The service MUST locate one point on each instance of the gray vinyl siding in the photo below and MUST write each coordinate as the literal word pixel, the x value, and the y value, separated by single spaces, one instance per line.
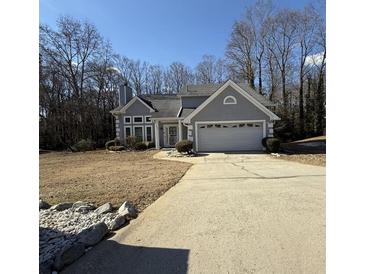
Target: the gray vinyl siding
pixel 217 111
pixel 136 109
pixel 192 101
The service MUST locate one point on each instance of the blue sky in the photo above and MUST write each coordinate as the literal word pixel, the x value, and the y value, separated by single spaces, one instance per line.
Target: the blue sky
pixel 159 31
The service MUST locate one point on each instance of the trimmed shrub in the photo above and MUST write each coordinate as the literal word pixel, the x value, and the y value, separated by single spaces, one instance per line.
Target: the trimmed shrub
pixel 116 148
pixel 115 142
pixel 100 142
pixel 84 145
pixel 263 141
pixel 272 145
pixel 140 146
pixel 184 146
pixel 131 141
pixel 151 145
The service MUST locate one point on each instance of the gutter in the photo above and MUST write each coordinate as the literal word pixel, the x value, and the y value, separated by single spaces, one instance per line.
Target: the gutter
pixel 166 118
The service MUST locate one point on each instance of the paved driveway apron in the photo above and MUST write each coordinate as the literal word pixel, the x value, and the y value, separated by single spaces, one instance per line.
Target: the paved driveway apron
pixel 230 213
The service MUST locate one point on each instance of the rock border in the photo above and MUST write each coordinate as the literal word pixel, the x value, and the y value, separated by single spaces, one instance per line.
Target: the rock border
pixel 69 230
pixel 176 154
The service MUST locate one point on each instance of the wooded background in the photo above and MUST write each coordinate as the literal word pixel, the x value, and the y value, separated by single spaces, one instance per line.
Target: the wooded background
pixel 279 52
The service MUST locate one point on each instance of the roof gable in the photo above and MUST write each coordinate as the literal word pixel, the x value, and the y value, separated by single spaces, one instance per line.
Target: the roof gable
pixel 130 103
pixel 242 92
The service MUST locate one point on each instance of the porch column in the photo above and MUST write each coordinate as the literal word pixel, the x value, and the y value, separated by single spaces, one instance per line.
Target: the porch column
pixel 157 135
pixel 190 133
pixel 271 130
pixel 180 131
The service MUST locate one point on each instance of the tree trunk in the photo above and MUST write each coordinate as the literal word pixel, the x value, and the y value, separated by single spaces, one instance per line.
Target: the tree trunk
pixel 285 97
pixel 320 105
pixel 260 77
pixel 301 104
pixel 301 99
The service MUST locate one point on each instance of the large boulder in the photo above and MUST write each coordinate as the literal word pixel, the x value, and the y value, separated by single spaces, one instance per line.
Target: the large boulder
pixel 43 204
pixel 62 206
pixel 105 208
pixel 68 255
pixel 128 210
pixel 117 222
pixel 94 234
pixel 82 207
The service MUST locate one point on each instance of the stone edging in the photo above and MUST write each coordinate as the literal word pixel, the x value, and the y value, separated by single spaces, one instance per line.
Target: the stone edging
pixel 68 230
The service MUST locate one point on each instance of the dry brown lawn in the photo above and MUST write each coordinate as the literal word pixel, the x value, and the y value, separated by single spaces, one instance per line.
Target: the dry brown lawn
pixel 310 159
pixel 100 177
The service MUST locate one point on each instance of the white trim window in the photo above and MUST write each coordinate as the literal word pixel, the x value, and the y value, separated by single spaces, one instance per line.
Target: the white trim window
pixel 127 120
pixel 147 119
pixel 229 100
pixel 148 134
pixel 138 132
pixel 127 131
pixel 138 119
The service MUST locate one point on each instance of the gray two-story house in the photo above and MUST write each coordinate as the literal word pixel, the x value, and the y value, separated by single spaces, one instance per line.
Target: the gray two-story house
pixel 216 117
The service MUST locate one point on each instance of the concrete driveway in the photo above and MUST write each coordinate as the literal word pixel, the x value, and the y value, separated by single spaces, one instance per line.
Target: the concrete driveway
pixel 230 213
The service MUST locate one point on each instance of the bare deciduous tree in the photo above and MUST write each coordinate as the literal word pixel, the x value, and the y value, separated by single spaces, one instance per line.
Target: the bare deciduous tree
pixel 156 79
pixel 321 72
pixel 307 22
pixel 210 70
pixel 176 77
pixel 78 84
pixel 221 73
pixel 240 52
pixel 138 72
pixel 256 15
pixel 123 64
pixel 205 70
pixel 281 39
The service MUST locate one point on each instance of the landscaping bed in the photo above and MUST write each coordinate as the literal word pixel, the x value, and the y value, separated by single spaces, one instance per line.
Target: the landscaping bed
pixel 311 151
pixel 68 230
pixel 315 145
pixel 310 159
pixel 102 176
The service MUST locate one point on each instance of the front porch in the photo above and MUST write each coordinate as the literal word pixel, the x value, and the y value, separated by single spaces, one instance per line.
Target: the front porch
pixel 168 131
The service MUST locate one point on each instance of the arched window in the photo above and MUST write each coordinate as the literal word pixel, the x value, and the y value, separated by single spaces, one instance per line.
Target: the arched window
pixel 229 100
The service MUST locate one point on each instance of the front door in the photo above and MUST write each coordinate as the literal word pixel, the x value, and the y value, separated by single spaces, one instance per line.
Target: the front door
pixel 170 135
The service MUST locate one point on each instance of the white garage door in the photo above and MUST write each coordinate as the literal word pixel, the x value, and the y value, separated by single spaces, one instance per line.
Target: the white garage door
pixel 230 137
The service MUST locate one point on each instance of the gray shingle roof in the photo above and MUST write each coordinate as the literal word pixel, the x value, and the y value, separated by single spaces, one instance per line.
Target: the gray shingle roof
pixel 117 109
pixel 199 90
pixel 165 105
pixel 169 105
pixel 185 112
pixel 209 89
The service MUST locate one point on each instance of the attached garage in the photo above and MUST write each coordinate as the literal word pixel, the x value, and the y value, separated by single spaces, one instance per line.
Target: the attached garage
pixel 230 136
pixel 230 119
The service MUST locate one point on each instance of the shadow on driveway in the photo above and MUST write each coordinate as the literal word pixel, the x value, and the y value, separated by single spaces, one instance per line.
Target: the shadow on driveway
pixel 112 257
